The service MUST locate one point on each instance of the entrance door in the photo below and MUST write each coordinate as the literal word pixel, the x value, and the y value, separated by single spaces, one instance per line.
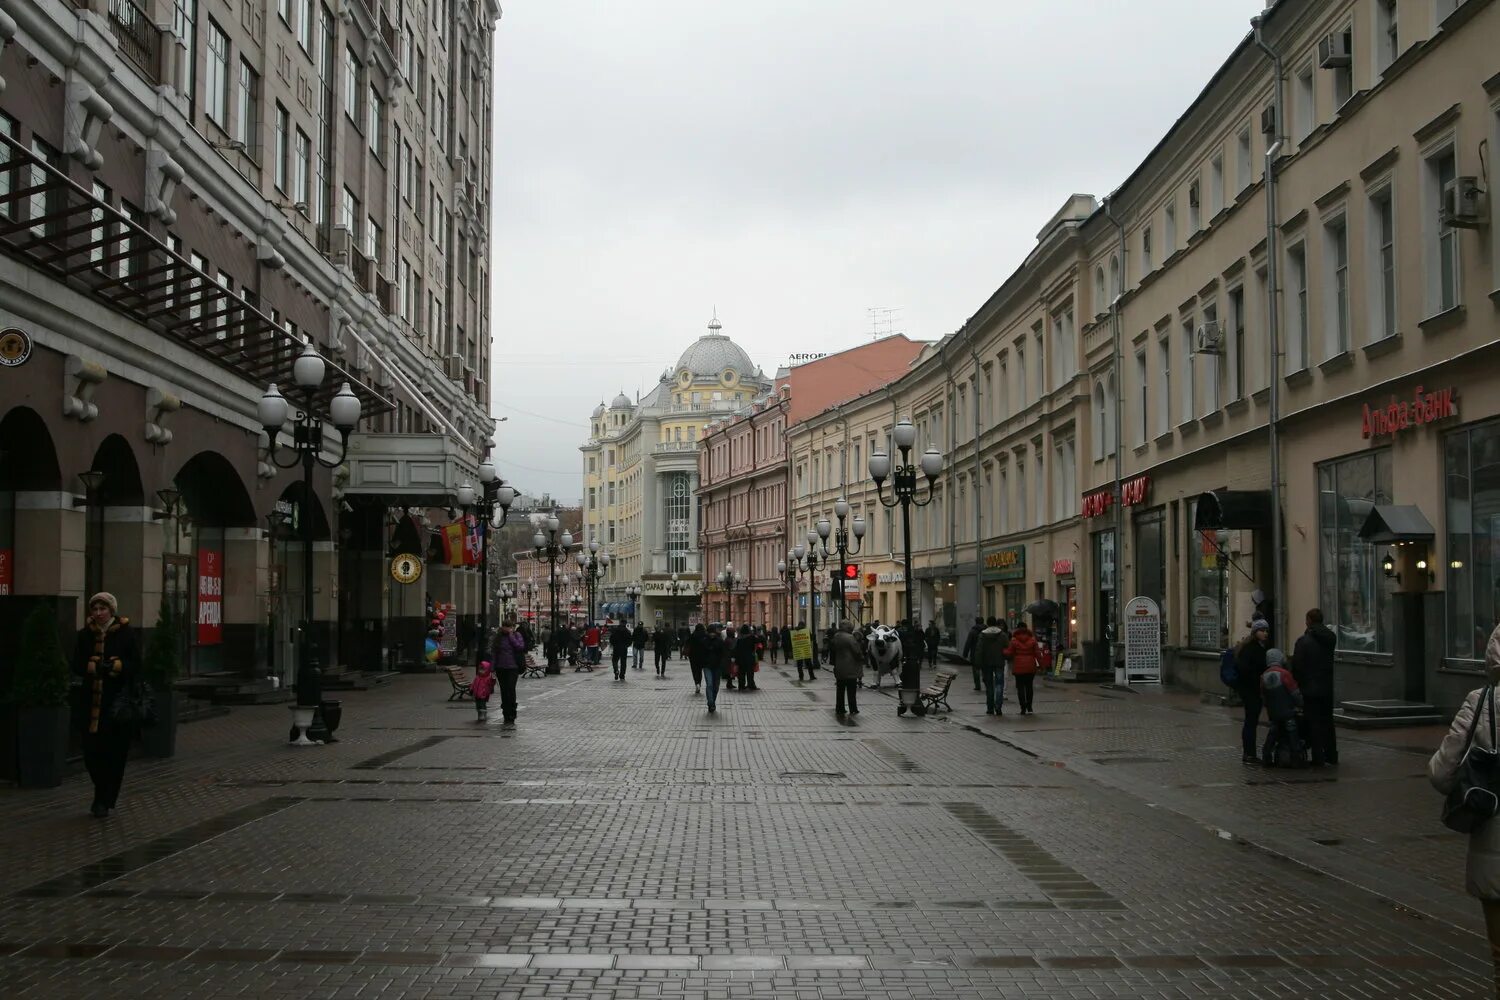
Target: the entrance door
pixel 177 575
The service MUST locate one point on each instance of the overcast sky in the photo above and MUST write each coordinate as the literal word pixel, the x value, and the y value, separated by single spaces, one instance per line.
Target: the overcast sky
pixel 794 164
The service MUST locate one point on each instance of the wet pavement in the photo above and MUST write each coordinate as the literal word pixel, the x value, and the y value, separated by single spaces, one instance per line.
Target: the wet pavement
pixel 619 842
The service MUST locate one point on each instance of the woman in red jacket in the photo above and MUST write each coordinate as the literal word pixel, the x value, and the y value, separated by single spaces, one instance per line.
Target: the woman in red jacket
pixel 1022 653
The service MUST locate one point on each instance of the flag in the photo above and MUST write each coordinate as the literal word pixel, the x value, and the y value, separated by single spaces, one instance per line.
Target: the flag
pixel 473 542
pixel 454 547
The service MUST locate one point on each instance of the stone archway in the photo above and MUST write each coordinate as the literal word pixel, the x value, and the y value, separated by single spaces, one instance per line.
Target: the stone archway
pixel 214 568
pixel 115 546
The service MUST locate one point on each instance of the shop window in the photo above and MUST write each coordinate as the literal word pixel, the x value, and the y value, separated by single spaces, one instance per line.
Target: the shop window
pixel 1471 461
pixel 1352 590
pixel 1207 574
pixel 1151 560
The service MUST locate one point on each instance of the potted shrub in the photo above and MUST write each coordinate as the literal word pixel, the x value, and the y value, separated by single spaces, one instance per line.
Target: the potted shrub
pixel 159 668
pixel 39 692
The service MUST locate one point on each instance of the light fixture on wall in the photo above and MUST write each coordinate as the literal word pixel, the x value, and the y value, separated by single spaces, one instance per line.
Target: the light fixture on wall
pixel 1456 564
pixel 92 480
pixel 1388 566
pixel 1422 568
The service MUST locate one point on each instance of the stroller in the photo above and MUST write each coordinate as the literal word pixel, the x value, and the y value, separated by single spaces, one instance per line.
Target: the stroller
pixel 1283 700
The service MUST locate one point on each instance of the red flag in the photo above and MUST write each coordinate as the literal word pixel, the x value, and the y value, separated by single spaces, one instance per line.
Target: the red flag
pixel 453 544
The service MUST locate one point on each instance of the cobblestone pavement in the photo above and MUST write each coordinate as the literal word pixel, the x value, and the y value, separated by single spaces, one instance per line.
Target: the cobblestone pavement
pixel 620 842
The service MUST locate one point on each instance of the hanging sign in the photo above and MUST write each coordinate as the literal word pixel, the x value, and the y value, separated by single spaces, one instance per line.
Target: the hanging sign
pixel 1404 414
pixel 210 597
pixel 1132 491
pixel 15 347
pixel 1142 640
pixel 1062 567
pixel 406 568
pixel 7 571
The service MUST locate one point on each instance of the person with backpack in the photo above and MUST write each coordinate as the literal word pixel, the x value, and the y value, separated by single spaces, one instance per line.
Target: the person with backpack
pixel 1312 665
pixel 989 659
pixel 1282 698
pixel 1249 664
pixel 1024 653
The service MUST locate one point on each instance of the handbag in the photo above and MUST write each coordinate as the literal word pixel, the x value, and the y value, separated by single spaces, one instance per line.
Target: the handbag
pixel 1475 798
pixel 134 706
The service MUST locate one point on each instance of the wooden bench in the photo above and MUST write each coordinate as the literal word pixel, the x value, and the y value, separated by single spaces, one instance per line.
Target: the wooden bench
pixel 534 666
pixel 459 678
pixel 935 695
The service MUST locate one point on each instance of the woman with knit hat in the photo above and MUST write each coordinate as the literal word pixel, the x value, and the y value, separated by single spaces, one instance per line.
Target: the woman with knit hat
pixel 106 656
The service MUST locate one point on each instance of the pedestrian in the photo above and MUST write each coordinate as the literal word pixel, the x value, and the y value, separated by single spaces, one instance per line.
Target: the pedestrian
pixel 638 645
pixel 697 654
pixel 786 644
pixel 481 687
pixel 1282 698
pixel 1025 655
pixel 619 648
pixel 773 644
pixel 106 654
pixel 848 667
pixel 715 661
pixel 1249 663
pixel 1482 875
pixel 508 657
pixel 933 637
pixel 661 644
pixel 1312 665
pixel 591 637
pixel 744 658
pixel 970 641
pixel 989 658
pixel 912 647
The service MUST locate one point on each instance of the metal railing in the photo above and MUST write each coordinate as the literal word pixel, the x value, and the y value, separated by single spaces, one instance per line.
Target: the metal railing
pixel 140 40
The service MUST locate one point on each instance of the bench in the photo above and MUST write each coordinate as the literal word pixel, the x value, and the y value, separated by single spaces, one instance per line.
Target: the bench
pixel 935 695
pixel 459 678
pixel 535 666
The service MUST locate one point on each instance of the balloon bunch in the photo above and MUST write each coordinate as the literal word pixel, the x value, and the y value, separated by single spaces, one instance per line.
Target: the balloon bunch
pixel 432 649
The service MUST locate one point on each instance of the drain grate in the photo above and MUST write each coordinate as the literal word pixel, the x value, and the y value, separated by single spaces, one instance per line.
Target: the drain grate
pixel 891 755
pixel 1056 880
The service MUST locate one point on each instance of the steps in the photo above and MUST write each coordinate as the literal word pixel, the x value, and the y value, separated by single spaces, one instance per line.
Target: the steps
pixel 1391 713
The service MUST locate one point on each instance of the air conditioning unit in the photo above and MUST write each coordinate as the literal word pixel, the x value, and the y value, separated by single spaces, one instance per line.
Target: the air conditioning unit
pixel 453 367
pixel 1464 204
pixel 1210 338
pixel 1268 120
pixel 1333 52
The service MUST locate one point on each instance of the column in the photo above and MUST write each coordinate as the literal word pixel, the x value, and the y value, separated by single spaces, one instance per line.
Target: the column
pixel 246 610
pixel 49 550
pixel 131 562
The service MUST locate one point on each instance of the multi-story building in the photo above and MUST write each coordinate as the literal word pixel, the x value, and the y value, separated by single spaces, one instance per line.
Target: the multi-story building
pixel 743 476
pixel 191 192
pixel 640 473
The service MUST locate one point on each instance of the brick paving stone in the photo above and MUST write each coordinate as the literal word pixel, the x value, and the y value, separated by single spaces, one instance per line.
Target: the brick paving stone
pixel 621 843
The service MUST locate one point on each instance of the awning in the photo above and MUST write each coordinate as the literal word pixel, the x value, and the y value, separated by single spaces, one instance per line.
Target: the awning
pixel 51 224
pixel 1396 523
pixel 1222 509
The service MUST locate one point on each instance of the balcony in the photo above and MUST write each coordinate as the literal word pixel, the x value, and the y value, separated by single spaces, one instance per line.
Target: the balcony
pixel 411 469
pixel 139 39
pixel 673 447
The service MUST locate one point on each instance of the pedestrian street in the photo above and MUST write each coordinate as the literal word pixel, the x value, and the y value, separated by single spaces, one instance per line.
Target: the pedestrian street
pixel 620 842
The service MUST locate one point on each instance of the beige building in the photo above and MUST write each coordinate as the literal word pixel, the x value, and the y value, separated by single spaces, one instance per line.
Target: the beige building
pixel 640 475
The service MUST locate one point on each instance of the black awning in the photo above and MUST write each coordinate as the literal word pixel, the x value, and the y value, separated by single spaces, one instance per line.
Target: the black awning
pixel 1396 523
pixel 1221 509
pixel 57 227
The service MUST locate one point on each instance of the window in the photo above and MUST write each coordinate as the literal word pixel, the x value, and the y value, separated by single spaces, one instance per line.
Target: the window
pixel 1164 387
pixel 1064 352
pixel 374 240
pixel 1169 232
pixel 1336 260
pixel 1296 300
pixel 407 53
pixel 1101 293
pixel 1189 372
pixel 1022 496
pixel 99 234
pixel 1382 258
pixel 1021 370
pixel 216 77
pixel 1065 468
pixel 1343 76
pixel 1114 279
pixel 352 85
pixel 195 289
pixel 1387 34
pixel 1039 480
pixel 349 215
pixel 44 204
pixel 1304 103
pixel 375 125
pixel 1195 206
pixel 1039 360
pixel 1207 579
pixel 1351 585
pixel 1244 166
pixel 1003 499
pixel 1216 186
pixel 1146 257
pixel 305 25
pixel 8 127
pixel 284 10
pixel 1096 425
pixel 1442 240
pixel 1236 338
pixel 1442 8
pixel 1471 459
pixel 283 143
pixel 439 115
pixel 247 127
pixel 302 171
pixel 1211 366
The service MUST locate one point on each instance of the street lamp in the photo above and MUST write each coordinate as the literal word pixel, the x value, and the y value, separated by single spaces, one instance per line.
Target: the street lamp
pixel 591 567
pixel 554 551
pixel 505 595
pixel 674 587
pixel 904 495
pixel 843 546
pixel 729 580
pixel 306 449
pixel 634 593
pixel 493 493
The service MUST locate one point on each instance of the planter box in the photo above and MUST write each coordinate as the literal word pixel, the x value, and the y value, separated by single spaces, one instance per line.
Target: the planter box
pixel 160 740
pixel 41 746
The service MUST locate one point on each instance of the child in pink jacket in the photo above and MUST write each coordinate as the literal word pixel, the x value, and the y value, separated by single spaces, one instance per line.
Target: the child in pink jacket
pixel 482 687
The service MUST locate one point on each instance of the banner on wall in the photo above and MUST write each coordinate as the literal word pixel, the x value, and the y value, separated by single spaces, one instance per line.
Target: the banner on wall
pixel 210 597
pixel 7 571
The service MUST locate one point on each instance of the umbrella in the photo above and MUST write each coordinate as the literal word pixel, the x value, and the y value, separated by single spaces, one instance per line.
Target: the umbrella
pixel 1041 608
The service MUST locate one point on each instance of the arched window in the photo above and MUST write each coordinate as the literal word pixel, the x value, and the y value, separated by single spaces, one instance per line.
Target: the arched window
pixel 1100 301
pixel 1098 423
pixel 1112 437
pixel 1114 277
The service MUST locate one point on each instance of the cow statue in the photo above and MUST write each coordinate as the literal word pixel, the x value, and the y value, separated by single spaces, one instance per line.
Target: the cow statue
pixel 883 653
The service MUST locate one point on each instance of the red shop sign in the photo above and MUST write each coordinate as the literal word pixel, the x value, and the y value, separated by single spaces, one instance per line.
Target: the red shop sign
pixel 210 597
pixel 1062 567
pixel 1404 414
pixel 7 571
pixel 1132 491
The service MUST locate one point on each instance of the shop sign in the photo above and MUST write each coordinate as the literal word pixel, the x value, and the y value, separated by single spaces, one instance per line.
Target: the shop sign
pixel 15 347
pixel 1404 414
pixel 1132 491
pixel 1062 567
pixel 210 597
pixel 870 579
pixel 1008 563
pixel 1203 624
pixel 897 577
pixel 7 571
pixel 1142 640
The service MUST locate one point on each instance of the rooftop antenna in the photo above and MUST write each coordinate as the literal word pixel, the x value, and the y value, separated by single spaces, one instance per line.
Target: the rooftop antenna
pixel 882 321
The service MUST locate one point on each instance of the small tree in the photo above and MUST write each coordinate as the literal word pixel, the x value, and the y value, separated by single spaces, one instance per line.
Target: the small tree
pixel 160 663
pixel 41 675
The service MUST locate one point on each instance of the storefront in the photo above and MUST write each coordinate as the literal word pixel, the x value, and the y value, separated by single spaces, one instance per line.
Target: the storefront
pixel 1097 508
pixel 1066 590
pixel 1003 576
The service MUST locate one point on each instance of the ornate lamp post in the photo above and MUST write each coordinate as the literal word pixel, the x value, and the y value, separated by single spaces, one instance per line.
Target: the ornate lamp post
pixel 306 450
pixel 634 593
pixel 554 551
pixel 790 583
pixel 904 495
pixel 505 595
pixel 842 545
pixel 591 567
pixel 730 580
pixel 492 494
pixel 674 588
pixel 812 558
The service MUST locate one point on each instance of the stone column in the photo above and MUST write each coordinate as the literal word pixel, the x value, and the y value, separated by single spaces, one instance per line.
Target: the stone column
pixel 49 549
pixel 246 613
pixel 131 562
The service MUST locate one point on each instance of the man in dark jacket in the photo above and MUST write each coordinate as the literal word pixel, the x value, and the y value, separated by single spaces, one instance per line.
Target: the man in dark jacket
pixel 932 636
pixel 1250 663
pixel 1312 666
pixel 969 641
pixel 912 647
pixel 619 648
pixel 989 660
pixel 661 645
pixel 638 646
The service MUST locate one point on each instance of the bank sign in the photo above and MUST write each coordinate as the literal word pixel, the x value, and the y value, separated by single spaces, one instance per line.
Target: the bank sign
pixel 1008 563
pixel 1405 414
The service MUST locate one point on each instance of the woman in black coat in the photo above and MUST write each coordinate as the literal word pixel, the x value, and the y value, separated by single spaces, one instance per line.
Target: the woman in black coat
pixel 697 649
pixel 106 656
pixel 745 658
